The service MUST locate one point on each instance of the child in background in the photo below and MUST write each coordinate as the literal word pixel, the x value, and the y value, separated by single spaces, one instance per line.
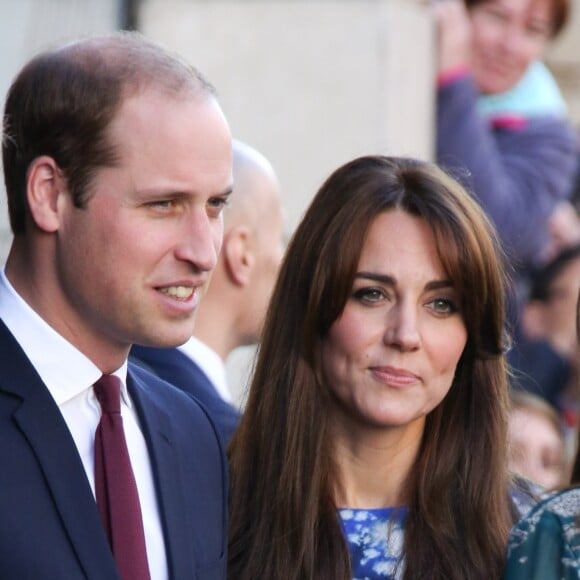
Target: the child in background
pixel 537 445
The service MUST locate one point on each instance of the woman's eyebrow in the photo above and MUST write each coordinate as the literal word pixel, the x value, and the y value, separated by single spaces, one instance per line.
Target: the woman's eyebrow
pixel 382 278
pixel 392 281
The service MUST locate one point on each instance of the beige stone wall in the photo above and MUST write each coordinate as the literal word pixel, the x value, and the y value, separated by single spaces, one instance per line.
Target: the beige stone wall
pixel 564 60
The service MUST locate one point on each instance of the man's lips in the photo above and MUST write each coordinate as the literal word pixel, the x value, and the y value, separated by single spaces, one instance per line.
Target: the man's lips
pixel 179 292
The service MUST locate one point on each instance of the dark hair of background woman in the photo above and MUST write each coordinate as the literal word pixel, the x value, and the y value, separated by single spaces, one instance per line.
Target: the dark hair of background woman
pixel 560 13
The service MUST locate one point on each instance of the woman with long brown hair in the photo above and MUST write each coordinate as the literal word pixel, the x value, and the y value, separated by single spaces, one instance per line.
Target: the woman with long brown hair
pixel 373 443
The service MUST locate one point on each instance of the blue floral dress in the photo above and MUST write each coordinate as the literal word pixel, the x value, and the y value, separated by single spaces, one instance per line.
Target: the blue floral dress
pixel 545 545
pixel 375 537
pixel 375 540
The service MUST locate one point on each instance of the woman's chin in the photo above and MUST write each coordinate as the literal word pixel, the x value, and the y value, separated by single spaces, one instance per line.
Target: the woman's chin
pixel 493 84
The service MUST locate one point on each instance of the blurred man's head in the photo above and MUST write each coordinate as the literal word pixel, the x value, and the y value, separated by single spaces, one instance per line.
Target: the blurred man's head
pixel 232 311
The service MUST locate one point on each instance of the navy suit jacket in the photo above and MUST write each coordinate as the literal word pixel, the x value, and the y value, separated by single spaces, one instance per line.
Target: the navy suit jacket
pixel 49 523
pixel 178 369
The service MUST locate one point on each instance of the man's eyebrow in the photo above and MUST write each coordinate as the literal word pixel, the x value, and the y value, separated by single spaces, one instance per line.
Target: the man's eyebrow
pixel 170 192
pixel 392 281
pixel 227 192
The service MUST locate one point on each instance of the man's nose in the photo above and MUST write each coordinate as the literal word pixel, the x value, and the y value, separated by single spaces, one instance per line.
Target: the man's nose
pixel 200 241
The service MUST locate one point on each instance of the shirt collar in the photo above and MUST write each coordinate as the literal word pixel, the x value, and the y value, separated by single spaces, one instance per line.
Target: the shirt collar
pixel 64 369
pixel 210 363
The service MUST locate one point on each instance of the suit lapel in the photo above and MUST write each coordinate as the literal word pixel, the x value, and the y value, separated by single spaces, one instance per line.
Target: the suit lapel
pixel 42 424
pixel 158 432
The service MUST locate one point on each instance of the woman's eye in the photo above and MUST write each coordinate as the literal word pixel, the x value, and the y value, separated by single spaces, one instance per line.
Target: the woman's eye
pixel 369 295
pixel 443 306
pixel 538 31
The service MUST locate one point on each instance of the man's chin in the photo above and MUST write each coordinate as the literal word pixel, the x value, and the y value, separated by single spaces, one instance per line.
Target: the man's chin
pixel 166 340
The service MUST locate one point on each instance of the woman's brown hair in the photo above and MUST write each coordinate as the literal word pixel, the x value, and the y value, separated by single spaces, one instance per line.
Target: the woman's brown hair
pixel 284 522
pixel 560 13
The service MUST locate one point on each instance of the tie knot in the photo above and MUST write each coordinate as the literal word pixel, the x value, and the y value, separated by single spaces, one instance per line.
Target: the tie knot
pixel 108 393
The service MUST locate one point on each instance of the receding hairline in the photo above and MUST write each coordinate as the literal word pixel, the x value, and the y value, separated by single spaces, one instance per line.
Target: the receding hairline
pixel 136 62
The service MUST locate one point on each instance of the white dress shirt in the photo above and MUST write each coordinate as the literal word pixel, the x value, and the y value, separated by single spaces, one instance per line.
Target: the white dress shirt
pixel 69 377
pixel 210 362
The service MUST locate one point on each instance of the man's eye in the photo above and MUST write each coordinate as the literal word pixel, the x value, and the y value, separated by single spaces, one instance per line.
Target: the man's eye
pixel 218 202
pixel 163 204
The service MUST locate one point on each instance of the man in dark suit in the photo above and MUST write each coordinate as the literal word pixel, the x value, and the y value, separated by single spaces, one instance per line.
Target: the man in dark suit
pixel 232 311
pixel 117 163
pixel 176 367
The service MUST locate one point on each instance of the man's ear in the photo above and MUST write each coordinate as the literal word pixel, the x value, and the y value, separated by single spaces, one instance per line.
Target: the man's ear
pixel 45 183
pixel 237 255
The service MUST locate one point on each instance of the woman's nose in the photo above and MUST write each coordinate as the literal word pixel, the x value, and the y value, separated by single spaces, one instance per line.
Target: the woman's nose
pixel 402 330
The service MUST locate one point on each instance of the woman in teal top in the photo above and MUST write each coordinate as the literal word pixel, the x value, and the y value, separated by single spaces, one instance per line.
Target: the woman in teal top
pixel 373 443
pixel 545 545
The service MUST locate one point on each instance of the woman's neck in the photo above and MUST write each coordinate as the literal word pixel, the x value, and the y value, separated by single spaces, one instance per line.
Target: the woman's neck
pixel 373 464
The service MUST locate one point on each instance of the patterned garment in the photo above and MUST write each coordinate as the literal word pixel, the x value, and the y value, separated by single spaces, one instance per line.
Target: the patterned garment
pixel 545 545
pixel 375 536
pixel 375 539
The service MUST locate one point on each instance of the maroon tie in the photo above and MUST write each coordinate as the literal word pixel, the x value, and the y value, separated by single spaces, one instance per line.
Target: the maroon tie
pixel 116 490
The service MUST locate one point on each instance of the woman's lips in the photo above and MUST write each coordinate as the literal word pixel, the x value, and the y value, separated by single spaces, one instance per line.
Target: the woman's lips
pixel 395 377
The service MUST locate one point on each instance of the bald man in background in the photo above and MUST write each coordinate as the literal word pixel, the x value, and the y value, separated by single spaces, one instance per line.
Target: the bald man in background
pixel 232 311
